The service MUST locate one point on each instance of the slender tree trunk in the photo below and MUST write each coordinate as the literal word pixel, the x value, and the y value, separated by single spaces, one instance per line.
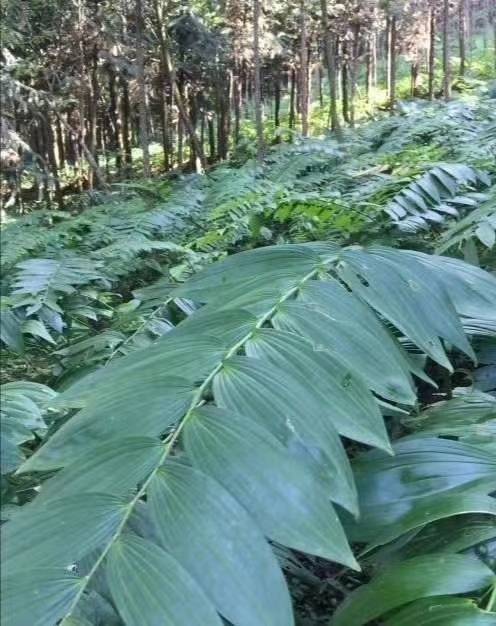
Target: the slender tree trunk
pixel 353 71
pixel 142 99
pixel 303 70
pixel 277 99
pixel 320 79
pixel 49 139
pixel 462 36
pixel 292 99
pixel 211 139
pixel 392 62
pixel 60 143
pixel 164 115
pixel 344 84
pixel 446 60
pixel 126 122
pixel 257 82
pixel 414 72
pixel 432 51
pixel 237 95
pixel 113 112
pixel 330 54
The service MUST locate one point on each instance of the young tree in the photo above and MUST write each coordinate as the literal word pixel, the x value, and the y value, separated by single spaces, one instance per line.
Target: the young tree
pixel 257 83
pixel 446 59
pixel 330 57
pixel 303 70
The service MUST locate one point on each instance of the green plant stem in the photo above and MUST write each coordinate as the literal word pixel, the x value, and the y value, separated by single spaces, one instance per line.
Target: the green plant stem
pixel 158 310
pixel 169 443
pixel 492 599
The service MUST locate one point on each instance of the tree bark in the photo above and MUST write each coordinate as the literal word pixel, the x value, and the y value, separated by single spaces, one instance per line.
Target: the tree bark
pixel 257 82
pixel 330 55
pixel 432 51
pixel 292 98
pixel 462 36
pixel 446 61
pixel 142 99
pixel 392 62
pixel 303 70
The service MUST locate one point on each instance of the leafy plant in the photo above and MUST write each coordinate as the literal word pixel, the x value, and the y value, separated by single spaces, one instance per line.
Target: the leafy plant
pixel 200 436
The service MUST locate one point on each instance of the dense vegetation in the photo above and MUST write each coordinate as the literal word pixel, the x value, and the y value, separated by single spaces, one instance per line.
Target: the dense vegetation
pixel 256 387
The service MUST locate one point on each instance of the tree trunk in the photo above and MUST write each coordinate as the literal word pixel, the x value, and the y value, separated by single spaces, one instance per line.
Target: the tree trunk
pixel 126 122
pixel 257 83
pixel 461 36
pixel 432 51
pixel 142 100
pixel 113 112
pixel 60 143
pixel 303 70
pixel 277 99
pixel 392 62
pixel 344 84
pixel 446 60
pixel 330 55
pixel 354 71
pixel 292 98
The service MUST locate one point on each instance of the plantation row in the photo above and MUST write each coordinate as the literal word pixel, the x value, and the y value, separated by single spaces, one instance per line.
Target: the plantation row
pixel 219 387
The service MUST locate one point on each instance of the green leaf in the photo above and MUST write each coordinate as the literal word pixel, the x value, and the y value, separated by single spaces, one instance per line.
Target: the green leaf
pixel 159 402
pixel 336 320
pixel 115 467
pixel 60 532
pixel 353 412
pixel 391 487
pixel 10 330
pixel 273 398
pixel 150 587
pixel 442 612
pixel 36 596
pixel 486 234
pixel 214 539
pixel 451 534
pixel 286 500
pixel 432 509
pixel 37 329
pixel 420 577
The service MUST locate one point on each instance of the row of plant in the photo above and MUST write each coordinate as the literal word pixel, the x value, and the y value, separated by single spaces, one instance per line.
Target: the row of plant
pixel 260 374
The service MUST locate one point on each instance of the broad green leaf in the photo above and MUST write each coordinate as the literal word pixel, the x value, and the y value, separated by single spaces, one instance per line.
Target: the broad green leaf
pixel 287 501
pixel 343 397
pixel 10 330
pixel 147 405
pixel 213 537
pixel 442 612
pixel 37 596
pixel 420 577
pixel 431 509
pixel 469 414
pixel 170 356
pixel 471 289
pixel 391 487
pixel 37 329
pixel 273 398
pixel 451 534
pixel 336 320
pixel 486 234
pixel 242 277
pixel 413 285
pixel 59 533
pixel 115 467
pixel 227 326
pixel 150 587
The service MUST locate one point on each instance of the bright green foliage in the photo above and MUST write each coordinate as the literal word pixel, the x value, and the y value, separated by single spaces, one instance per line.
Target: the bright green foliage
pixel 230 426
